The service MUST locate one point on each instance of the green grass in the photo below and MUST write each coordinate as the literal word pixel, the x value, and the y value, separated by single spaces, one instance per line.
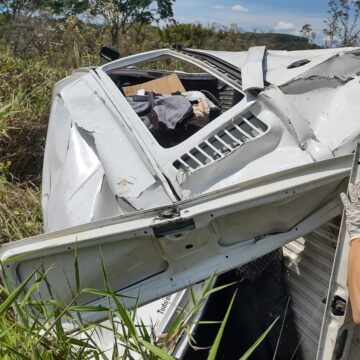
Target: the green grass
pixel 39 332
pixel 20 208
pixel 25 95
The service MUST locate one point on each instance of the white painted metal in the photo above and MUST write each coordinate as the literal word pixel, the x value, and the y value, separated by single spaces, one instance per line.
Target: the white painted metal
pixel 277 61
pixel 101 161
pixel 308 262
pixel 252 73
pixel 153 253
pixel 97 145
pixel 337 330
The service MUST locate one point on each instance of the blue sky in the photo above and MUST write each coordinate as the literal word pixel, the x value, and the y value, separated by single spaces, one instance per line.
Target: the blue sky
pixel 286 16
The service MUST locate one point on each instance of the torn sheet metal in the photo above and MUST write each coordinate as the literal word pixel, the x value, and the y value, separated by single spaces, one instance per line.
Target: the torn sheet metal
pixel 274 100
pixel 150 254
pixel 332 89
pixel 101 160
pixel 125 170
pixel 91 168
pixel 277 62
pixel 253 70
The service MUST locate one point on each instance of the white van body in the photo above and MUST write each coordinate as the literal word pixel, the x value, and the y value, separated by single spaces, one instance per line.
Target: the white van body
pixel 266 171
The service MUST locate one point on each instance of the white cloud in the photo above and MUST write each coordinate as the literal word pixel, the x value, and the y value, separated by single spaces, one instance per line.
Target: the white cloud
pixel 218 7
pixel 282 25
pixel 258 17
pixel 240 8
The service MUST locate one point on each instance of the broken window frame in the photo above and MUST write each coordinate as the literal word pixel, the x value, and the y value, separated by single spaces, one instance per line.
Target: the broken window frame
pixel 166 157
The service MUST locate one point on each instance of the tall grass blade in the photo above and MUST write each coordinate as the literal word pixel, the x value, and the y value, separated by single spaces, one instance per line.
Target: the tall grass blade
pixel 13 351
pixel 208 284
pixel 33 287
pixel 215 347
pixel 59 330
pixel 10 299
pixel 192 294
pixel 125 317
pixel 105 293
pixel 215 289
pixel 175 325
pixel 82 308
pixel 258 342
pixel 58 318
pixel 77 274
pixel 144 333
pixel 160 353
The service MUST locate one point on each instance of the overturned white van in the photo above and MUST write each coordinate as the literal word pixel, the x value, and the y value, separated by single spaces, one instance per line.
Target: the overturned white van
pixel 176 163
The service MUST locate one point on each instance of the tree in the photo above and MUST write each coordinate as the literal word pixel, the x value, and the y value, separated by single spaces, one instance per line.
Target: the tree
pixel 65 7
pixel 308 33
pixel 343 23
pixel 121 15
pixel 12 8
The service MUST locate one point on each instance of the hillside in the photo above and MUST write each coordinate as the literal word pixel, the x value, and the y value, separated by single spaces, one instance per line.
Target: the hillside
pixel 276 41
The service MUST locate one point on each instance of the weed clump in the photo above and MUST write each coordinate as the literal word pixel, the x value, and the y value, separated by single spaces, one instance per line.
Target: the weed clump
pixel 20 210
pixel 25 95
pixel 56 331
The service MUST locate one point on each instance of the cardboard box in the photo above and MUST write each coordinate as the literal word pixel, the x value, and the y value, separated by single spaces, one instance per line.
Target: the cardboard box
pixel 165 85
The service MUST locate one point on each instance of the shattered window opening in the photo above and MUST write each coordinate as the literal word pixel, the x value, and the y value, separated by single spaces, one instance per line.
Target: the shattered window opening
pixel 175 99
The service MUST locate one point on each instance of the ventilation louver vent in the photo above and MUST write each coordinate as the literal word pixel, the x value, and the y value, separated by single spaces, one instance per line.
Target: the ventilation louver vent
pixel 242 129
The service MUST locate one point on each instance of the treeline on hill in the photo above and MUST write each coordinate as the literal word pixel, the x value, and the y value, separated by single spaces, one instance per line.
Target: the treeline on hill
pixel 70 42
pixel 40 46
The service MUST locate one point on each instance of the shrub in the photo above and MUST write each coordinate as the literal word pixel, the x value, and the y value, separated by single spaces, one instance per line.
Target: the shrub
pixel 25 95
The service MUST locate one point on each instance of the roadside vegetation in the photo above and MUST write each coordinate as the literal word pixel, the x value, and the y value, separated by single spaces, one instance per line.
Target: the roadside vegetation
pixel 41 330
pixel 40 43
pixel 25 93
pixel 20 210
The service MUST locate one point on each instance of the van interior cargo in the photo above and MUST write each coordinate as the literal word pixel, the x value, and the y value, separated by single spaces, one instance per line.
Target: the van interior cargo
pixel 174 104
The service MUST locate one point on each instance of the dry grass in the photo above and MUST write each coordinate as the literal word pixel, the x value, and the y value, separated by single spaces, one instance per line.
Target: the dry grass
pixel 20 210
pixel 25 95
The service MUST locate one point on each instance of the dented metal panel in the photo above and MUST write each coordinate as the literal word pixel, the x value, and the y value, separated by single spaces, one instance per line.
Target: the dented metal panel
pixel 91 156
pixel 306 115
pixel 253 70
pixel 277 71
pixel 160 251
